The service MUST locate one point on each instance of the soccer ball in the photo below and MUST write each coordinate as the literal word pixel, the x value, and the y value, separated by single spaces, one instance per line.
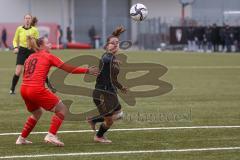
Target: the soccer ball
pixel 138 12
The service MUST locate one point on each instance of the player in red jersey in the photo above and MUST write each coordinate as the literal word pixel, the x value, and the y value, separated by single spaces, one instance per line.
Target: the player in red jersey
pixel 36 96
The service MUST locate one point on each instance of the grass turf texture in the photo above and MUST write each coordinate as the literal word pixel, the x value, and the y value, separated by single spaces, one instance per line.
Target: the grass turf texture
pixel 206 89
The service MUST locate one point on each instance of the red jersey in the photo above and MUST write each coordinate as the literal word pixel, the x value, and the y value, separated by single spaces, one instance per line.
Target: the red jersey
pixel 37 66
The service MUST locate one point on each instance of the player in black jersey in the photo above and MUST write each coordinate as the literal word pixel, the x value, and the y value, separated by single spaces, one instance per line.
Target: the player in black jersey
pixel 105 93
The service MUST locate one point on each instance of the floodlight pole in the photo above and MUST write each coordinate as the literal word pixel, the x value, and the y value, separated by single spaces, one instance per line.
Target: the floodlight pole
pixel 62 16
pixel 183 13
pixel 29 6
pixel 184 3
pixel 72 18
pixel 104 17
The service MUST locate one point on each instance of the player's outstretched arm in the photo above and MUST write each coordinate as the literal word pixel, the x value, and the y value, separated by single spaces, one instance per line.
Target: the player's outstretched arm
pixel 93 70
pixel 55 61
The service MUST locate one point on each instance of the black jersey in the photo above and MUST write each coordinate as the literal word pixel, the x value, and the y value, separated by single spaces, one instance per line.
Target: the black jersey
pixel 109 70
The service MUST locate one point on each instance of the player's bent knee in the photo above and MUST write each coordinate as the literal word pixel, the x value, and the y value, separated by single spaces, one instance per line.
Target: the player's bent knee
pixel 60 108
pixel 37 114
pixel 108 121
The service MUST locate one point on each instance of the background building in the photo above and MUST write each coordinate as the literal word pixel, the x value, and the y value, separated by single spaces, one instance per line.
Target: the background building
pixel 216 11
pixel 80 15
pixel 77 15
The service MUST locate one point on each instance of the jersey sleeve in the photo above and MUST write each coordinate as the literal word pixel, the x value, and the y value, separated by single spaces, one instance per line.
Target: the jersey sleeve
pixel 74 70
pixel 16 38
pixel 55 61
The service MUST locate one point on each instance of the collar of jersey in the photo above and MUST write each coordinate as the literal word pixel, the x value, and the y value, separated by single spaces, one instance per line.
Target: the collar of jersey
pixel 26 28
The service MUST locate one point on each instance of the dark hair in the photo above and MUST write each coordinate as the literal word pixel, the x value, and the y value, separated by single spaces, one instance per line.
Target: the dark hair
pixel 116 33
pixel 34 21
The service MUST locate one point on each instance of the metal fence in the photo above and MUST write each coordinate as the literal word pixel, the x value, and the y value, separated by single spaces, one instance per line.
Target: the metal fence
pixel 154 33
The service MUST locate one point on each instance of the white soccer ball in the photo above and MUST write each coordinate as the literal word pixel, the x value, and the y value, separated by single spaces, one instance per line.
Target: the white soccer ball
pixel 138 12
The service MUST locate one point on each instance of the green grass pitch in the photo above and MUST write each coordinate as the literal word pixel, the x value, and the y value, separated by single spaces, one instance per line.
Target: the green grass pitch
pixel 206 93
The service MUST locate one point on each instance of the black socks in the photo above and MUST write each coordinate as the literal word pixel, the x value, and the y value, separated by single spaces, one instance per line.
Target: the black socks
pixel 103 129
pixel 14 82
pixel 97 119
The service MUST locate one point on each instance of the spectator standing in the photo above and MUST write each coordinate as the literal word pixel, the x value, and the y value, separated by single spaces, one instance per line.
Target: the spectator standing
pixel 200 33
pixel 92 34
pixel 238 38
pixel 235 32
pixel 4 38
pixel 190 39
pixel 208 40
pixel 228 37
pixel 215 38
pixel 69 34
pixel 60 34
pixel 222 37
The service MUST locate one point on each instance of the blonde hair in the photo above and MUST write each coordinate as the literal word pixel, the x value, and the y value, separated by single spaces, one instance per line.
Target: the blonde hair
pixel 33 43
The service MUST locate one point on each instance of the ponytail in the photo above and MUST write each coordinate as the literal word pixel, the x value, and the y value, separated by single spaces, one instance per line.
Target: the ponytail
pixel 34 21
pixel 33 43
pixel 116 33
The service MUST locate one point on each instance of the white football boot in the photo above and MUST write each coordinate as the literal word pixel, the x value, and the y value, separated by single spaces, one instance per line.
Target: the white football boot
pixel 53 139
pixel 22 141
pixel 102 139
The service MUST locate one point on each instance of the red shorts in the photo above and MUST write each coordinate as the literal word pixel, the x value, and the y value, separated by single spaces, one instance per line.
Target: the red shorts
pixel 38 97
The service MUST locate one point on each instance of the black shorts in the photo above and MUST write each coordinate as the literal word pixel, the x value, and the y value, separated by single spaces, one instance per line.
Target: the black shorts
pixel 106 102
pixel 23 54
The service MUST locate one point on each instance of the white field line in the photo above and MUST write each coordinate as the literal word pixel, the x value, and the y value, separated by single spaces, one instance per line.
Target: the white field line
pixel 169 67
pixel 133 129
pixel 120 152
pixel 203 67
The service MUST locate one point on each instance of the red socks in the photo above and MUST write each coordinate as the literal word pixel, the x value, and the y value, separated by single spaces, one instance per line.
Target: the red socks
pixel 56 122
pixel 28 127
